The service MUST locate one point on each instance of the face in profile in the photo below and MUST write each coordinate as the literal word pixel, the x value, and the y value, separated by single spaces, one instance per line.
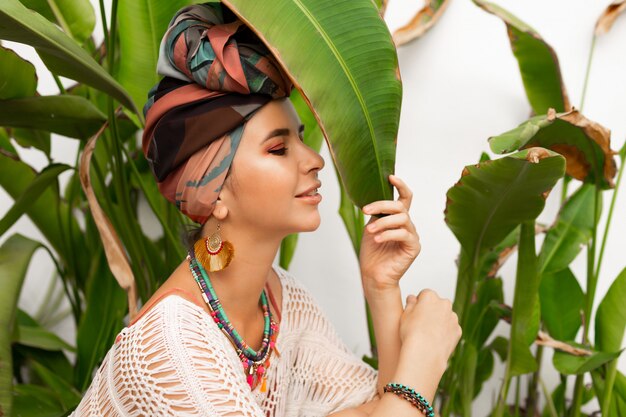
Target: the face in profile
pixel 272 186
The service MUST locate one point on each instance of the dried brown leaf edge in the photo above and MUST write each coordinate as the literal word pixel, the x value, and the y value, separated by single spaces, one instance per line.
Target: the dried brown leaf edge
pixel 113 249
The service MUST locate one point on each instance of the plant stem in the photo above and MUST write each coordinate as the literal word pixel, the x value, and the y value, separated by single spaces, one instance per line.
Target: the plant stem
pixel 578 397
pixel 610 216
pixel 608 387
pixel 517 390
pixel 586 82
pixel 589 296
pixel 504 390
pixel 549 402
pixel 591 255
pixel 531 404
pixel 57 80
pixel 566 181
pixel 467 275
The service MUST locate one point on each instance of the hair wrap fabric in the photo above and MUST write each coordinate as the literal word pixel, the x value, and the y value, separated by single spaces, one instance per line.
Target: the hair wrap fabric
pixel 217 73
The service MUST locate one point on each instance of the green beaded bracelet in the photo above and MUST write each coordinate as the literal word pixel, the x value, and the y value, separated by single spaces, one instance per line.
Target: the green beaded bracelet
pixel 412 396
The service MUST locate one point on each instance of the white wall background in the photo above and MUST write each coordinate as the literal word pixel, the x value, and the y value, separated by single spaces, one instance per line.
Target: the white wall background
pixel 461 85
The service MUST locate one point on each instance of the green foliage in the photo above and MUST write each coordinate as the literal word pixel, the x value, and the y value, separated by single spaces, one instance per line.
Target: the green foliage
pixel 61 54
pixel 572 230
pixel 548 302
pixel 142 23
pixel 44 179
pixel 70 116
pixel 538 63
pixel 22 72
pixel 611 316
pixel 76 17
pixel 572 364
pixel 15 255
pixel 562 299
pixel 586 144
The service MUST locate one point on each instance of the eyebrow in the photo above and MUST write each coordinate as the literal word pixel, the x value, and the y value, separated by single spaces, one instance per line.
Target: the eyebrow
pixel 281 132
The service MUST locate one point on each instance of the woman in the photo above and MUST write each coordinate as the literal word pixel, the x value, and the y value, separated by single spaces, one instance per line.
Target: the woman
pixel 228 333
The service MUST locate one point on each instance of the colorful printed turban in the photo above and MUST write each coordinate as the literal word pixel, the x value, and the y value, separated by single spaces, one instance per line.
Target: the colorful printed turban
pixel 217 73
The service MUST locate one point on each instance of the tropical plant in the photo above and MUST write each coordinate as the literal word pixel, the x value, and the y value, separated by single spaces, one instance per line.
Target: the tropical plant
pixel 492 209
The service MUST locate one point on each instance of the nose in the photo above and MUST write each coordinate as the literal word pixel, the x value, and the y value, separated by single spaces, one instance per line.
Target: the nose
pixel 312 161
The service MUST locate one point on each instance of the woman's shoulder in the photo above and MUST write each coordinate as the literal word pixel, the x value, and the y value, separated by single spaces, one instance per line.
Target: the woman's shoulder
pixel 170 319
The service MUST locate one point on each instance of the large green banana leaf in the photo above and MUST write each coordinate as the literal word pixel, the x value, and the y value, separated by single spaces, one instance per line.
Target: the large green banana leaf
pixel 526 316
pixel 537 61
pixel 489 201
pixel 611 316
pixel 610 327
pixel 569 364
pixel 39 139
pixel 585 144
pixel 75 17
pixel 341 57
pixel 142 24
pixel 15 255
pixel 61 54
pixel 18 77
pixel 562 300
pixel 492 198
pixel 46 178
pixel 66 115
pixel 48 213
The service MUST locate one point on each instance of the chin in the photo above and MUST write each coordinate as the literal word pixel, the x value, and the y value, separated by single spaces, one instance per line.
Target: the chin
pixel 309 224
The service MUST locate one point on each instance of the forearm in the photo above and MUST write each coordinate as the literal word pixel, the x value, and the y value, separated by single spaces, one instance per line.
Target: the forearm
pixel 421 369
pixel 386 309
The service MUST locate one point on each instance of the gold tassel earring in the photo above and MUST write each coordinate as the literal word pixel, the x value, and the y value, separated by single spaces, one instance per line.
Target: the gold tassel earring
pixel 214 253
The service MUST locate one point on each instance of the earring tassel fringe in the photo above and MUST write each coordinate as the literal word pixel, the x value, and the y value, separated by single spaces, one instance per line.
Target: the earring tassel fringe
pixel 214 262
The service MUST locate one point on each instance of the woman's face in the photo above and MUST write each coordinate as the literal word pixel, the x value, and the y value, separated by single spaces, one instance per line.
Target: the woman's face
pixel 273 179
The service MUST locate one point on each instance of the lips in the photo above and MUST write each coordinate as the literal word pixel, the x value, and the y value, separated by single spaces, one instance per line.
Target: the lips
pixel 310 191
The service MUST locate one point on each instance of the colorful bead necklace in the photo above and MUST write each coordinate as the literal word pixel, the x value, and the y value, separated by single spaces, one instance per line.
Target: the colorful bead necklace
pixel 255 364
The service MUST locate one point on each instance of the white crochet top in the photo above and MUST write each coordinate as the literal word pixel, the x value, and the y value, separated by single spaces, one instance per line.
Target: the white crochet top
pixel 175 361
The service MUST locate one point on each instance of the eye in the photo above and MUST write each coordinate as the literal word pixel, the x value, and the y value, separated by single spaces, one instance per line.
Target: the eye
pixel 279 151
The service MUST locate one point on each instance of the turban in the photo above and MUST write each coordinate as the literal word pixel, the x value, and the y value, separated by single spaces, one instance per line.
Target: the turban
pixel 217 73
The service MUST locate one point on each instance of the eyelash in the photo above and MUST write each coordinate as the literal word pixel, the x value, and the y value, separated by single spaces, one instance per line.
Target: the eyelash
pixel 283 150
pixel 280 151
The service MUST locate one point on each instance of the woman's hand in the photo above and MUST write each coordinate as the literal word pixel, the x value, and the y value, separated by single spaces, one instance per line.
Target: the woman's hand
pixel 389 244
pixel 428 320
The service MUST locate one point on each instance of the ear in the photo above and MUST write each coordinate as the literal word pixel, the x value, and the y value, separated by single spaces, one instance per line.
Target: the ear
pixel 220 212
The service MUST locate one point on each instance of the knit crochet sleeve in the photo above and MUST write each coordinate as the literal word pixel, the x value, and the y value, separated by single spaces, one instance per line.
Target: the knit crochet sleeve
pixel 173 361
pixel 334 377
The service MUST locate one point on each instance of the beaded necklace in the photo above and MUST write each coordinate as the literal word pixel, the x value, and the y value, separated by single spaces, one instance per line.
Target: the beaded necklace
pixel 255 364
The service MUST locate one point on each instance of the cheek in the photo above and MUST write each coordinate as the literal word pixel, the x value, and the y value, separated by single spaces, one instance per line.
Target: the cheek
pixel 266 182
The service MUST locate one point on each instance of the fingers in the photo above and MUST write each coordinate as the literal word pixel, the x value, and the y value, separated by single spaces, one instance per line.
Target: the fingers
pixel 384 206
pixel 395 235
pixel 402 204
pixel 394 221
pixel 405 195
pixel 410 300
